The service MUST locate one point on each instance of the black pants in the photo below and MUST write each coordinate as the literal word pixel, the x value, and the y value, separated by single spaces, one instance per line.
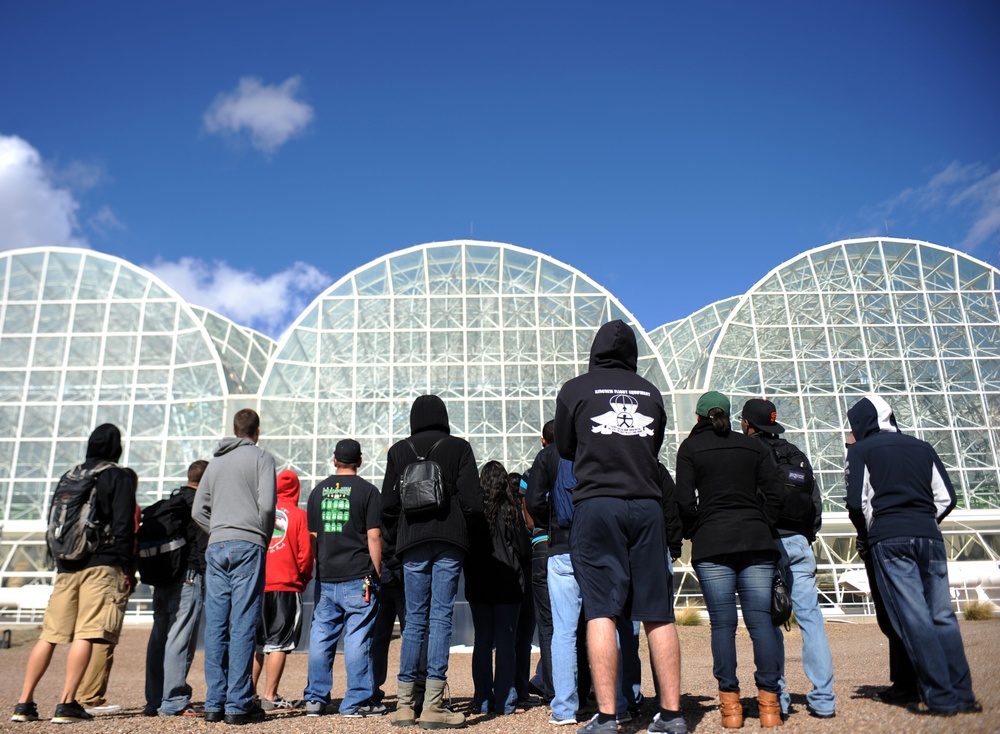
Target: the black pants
pixel 543 611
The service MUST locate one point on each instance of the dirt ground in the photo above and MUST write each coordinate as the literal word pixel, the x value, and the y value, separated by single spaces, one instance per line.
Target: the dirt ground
pixel 860 661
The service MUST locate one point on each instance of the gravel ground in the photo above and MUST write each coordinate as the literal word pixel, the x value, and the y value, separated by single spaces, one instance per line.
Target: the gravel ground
pixel 860 659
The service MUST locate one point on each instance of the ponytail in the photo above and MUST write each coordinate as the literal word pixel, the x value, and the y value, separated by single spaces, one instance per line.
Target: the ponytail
pixel 720 422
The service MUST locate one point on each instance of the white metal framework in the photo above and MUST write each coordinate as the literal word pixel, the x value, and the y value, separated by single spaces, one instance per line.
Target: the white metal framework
pixel 493 329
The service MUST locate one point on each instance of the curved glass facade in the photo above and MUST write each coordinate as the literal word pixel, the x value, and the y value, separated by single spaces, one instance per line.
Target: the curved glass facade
pixel 913 322
pixel 494 329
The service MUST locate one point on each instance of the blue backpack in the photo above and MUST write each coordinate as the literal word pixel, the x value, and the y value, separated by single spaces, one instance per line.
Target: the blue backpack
pixel 562 494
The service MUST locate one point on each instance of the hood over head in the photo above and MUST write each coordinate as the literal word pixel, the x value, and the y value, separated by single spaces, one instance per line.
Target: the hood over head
pixel 288 486
pixel 429 414
pixel 105 443
pixel 614 348
pixel 871 415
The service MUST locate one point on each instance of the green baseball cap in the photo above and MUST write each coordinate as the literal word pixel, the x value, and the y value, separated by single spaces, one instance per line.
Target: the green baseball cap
pixel 711 400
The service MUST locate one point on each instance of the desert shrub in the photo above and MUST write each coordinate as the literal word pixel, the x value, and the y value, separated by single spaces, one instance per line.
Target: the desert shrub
pixel 977 611
pixel 688 617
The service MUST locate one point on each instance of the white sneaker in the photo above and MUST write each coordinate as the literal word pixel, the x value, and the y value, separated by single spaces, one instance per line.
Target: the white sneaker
pixel 562 722
pixel 107 708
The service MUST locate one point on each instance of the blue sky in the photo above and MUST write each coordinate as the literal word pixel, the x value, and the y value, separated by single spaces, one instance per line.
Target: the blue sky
pixel 253 153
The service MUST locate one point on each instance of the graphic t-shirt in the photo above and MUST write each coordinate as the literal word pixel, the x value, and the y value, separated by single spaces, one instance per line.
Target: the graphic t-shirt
pixel 341 510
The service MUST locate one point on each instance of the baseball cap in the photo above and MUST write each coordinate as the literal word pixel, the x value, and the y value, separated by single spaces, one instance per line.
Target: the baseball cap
pixel 762 415
pixel 711 400
pixel 348 451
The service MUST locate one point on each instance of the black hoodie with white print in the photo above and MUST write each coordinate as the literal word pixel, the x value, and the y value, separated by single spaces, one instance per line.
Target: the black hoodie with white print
pixel 610 421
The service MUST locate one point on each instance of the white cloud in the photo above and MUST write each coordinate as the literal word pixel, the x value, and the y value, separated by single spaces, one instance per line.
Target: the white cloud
pixel 960 200
pixel 270 114
pixel 105 222
pixel 268 304
pixel 34 209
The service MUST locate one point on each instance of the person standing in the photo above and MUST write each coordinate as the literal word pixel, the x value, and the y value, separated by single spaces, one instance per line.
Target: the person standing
pixel 176 616
pixel 235 506
pixel 345 519
pixel 801 518
pixel 432 544
pixel 898 492
pixel 288 569
pixel 494 586
pixel 729 497
pixel 89 596
pixel 610 423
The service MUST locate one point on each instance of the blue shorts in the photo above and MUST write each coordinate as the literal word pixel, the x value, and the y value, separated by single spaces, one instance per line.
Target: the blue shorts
pixel 619 553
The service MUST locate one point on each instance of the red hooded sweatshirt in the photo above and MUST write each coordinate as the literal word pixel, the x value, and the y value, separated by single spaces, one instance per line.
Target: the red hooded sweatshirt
pixel 289 557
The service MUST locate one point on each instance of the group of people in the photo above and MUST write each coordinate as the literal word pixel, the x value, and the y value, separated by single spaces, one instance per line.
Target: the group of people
pixel 589 547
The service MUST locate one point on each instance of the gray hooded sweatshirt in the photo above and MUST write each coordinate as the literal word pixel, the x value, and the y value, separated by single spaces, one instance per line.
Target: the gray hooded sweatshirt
pixel 236 496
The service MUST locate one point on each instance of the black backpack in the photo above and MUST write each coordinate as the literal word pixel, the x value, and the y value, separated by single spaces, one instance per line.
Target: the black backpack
pixel 163 540
pixel 75 528
pixel 796 474
pixel 421 487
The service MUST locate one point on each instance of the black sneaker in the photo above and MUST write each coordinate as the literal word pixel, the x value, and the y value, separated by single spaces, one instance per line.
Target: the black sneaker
pixel 25 712
pixel 923 709
pixel 70 713
pixel 254 716
pixel 368 708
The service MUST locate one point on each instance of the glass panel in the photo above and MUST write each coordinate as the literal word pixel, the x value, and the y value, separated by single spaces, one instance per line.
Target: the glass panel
pixel 89 318
pixel 19 319
pixel 53 318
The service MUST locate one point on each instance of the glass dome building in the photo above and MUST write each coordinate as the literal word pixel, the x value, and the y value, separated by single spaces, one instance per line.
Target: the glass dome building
pixel 495 330
pixel 87 339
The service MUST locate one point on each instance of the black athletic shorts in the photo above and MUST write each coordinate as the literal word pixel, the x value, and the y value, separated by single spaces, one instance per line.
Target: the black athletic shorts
pixel 281 621
pixel 619 553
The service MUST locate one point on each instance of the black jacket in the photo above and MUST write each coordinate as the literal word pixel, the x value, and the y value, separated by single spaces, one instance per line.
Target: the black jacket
pixel 671 514
pixel 739 493
pixel 197 539
pixel 541 479
pixel 610 421
pixel 428 424
pixel 896 484
pixel 115 494
pixel 488 579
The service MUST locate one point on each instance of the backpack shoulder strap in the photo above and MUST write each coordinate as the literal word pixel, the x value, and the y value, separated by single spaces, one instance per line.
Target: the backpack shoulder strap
pixel 436 444
pixel 414 449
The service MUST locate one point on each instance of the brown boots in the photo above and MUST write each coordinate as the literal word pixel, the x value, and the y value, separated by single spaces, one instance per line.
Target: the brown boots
pixel 770 709
pixel 731 709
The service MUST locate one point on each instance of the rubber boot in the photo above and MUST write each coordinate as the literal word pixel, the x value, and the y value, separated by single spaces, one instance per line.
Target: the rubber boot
pixel 731 709
pixel 435 715
pixel 770 709
pixel 403 715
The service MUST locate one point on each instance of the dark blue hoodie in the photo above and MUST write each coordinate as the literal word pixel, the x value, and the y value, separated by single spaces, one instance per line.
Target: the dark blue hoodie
pixel 896 484
pixel 610 421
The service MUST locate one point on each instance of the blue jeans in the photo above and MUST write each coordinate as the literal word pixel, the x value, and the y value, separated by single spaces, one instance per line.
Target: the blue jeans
pixel 430 573
pixel 566 600
pixel 751 575
pixel 817 661
pixel 912 574
pixel 495 624
pixel 172 643
pixel 234 588
pixel 341 608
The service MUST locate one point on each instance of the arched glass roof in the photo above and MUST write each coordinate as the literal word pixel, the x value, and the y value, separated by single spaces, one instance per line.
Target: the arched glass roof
pixel 86 339
pixel 244 351
pixel 685 345
pixel 494 329
pixel 911 321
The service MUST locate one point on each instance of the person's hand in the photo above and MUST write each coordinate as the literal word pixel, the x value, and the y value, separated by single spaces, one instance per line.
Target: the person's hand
pixel 861 547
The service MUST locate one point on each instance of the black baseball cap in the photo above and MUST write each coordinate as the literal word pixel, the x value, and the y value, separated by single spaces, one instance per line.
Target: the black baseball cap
pixel 348 451
pixel 762 415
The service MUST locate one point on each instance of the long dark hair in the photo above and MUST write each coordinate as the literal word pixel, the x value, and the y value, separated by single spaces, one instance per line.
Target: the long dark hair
pixel 499 504
pixel 720 422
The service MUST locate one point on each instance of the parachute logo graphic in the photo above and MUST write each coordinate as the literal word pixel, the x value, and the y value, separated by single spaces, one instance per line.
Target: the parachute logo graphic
pixel 280 528
pixel 624 418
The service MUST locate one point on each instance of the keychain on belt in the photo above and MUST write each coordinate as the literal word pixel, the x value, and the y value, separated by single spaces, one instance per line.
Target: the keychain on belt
pixel 368 589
